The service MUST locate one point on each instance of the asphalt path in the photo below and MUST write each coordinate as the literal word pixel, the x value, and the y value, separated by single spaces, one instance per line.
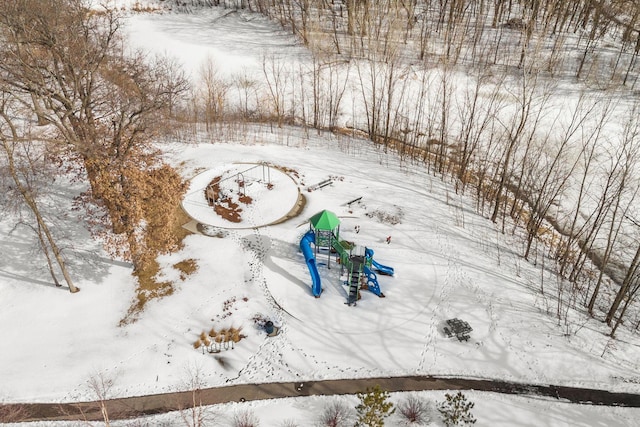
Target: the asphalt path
pixel 130 407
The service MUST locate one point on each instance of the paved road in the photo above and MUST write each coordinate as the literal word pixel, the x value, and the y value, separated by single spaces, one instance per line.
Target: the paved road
pixel 159 403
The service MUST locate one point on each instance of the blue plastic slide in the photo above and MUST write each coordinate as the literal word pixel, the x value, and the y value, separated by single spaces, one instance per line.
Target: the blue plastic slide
pixel 305 246
pixel 382 269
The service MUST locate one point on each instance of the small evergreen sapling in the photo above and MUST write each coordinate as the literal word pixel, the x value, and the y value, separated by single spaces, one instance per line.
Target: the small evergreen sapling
pixel 374 407
pixel 456 410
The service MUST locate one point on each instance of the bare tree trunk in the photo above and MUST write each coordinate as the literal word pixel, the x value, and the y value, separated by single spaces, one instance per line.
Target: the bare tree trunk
pixel 277 80
pixel 554 178
pixel 627 283
pixel 614 229
pixel 629 299
pixel 27 193
pixel 515 131
pixel 101 386
pixel 45 250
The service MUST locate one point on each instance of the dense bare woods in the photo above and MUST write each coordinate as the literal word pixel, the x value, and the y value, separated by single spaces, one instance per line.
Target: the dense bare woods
pixel 473 90
pixel 587 39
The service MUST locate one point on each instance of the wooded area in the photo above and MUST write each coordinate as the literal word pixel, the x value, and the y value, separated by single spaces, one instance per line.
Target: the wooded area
pixel 470 88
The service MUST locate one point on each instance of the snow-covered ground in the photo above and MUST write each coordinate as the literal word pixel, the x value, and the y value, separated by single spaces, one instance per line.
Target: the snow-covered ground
pixel 449 262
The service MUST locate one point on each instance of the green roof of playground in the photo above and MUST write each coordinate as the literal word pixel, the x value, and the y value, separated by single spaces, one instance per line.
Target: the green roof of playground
pixel 324 220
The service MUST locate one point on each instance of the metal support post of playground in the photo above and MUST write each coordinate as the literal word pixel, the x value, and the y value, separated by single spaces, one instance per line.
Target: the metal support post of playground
pixel 268 179
pixel 241 184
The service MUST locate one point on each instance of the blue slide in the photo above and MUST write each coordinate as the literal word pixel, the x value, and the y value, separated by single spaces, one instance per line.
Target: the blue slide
pixel 305 246
pixel 382 269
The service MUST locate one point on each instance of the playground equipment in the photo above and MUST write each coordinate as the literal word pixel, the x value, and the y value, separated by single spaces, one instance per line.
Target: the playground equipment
pixel 324 232
pixel 320 185
pixel 242 179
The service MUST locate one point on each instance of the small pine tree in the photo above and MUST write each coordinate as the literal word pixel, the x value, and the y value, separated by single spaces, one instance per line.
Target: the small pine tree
pixel 373 408
pixel 456 410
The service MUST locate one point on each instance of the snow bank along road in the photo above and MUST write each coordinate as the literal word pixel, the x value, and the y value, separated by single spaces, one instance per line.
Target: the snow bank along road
pixel 130 407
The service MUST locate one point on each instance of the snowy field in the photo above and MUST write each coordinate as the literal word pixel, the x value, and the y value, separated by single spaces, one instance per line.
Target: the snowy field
pixel 449 263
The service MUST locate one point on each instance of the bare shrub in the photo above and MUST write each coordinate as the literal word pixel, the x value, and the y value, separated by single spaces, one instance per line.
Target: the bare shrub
pixel 338 414
pixel 245 418
pixel 101 385
pixel 386 217
pixel 193 412
pixel 259 319
pixel 235 334
pixel 415 411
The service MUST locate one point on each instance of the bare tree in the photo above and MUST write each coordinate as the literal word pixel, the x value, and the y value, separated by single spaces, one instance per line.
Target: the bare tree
pixel 475 121
pixel 195 413
pixel 101 385
pixel 247 88
pixel 610 209
pixel 628 290
pixel 530 106
pixel 328 83
pixel 21 155
pixel 277 77
pixel 106 107
pixel 444 97
pixel 575 233
pixel 548 187
pixel 356 19
pixel 213 93
pixel 630 280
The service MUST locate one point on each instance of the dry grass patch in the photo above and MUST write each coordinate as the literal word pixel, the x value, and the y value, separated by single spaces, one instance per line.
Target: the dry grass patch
pixel 228 210
pixel 215 341
pixel 247 200
pixel 287 170
pixel 137 7
pixel 186 267
pixel 149 287
pixel 177 228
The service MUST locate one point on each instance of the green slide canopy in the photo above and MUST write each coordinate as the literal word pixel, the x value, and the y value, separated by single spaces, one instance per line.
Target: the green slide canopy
pixel 325 220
